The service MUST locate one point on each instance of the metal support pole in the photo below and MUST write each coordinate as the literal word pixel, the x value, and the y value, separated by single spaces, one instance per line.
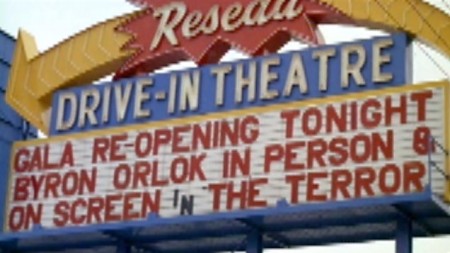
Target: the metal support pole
pixel 255 242
pixel 403 237
pixel 123 247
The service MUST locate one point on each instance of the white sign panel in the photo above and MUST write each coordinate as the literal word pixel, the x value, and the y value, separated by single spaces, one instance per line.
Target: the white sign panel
pixel 368 145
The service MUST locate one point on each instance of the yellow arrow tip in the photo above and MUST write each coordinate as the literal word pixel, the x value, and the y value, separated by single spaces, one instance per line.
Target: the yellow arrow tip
pixel 27 41
pixel 17 96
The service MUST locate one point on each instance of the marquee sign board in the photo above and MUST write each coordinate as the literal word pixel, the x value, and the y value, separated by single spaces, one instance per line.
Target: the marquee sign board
pixel 352 147
pixel 317 127
pixel 315 72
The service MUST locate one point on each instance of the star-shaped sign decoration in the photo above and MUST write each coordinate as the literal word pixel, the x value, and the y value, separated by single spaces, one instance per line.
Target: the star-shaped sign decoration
pixel 170 31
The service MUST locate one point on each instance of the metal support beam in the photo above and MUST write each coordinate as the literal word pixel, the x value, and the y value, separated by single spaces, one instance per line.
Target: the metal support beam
pixel 407 215
pixel 123 247
pixel 126 240
pixel 282 241
pixel 403 236
pixel 254 242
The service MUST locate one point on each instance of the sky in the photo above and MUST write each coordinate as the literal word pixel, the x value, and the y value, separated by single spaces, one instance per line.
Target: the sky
pixel 51 21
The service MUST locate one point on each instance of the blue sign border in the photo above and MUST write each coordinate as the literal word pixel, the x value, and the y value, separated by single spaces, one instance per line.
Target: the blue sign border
pixel 400 67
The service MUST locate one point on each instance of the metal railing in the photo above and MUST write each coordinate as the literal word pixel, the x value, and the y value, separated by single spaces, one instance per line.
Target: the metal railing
pixel 436 148
pixel 432 144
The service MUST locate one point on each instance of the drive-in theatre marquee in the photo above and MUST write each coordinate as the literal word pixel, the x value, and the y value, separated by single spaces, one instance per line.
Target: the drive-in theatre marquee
pixel 325 125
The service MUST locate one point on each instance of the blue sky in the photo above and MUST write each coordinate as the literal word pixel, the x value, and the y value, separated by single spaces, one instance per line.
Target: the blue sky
pixel 51 21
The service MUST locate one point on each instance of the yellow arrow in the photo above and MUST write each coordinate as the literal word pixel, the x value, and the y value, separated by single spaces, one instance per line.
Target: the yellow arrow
pixel 416 17
pixel 83 58
pixel 96 52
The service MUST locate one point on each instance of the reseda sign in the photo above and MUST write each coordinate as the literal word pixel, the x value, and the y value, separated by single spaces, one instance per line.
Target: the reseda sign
pixel 272 133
